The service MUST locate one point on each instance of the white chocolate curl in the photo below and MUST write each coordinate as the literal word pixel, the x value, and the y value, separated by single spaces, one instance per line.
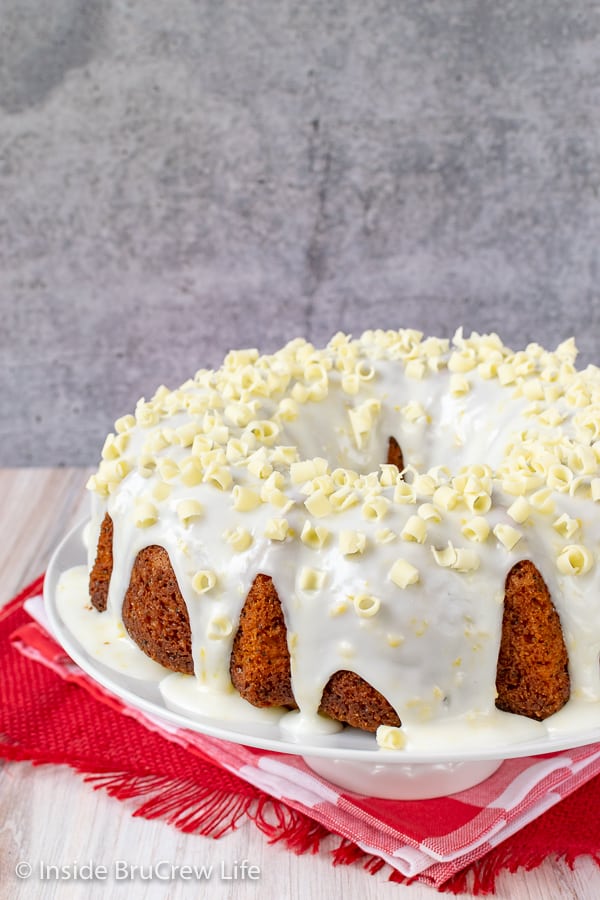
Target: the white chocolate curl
pixel 318 504
pixel 362 419
pixel 311 579
pixel 476 529
pixel 389 737
pixel 507 535
pixel 520 510
pixel 352 543
pixel 145 513
pixel 414 530
pixel 204 581
pixel 244 498
pixel 462 560
pixel 574 559
pixel 219 628
pixel 365 605
pixel 189 511
pixel 314 536
pixel 277 529
pixel 238 538
pixel 404 573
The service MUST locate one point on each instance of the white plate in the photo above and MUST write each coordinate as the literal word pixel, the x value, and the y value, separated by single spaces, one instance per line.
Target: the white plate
pixel 349 758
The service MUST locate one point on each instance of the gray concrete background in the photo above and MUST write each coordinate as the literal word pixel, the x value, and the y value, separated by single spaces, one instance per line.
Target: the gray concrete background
pixel 180 178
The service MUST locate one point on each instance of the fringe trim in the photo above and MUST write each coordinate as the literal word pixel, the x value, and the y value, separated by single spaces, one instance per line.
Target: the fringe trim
pixel 479 879
pixel 279 822
pixel 190 807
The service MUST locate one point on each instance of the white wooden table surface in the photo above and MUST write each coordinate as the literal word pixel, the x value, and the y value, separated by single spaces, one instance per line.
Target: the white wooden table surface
pixel 49 816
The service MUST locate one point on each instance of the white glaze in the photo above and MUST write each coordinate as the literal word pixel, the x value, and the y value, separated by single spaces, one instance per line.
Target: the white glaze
pixel 432 647
pixel 103 637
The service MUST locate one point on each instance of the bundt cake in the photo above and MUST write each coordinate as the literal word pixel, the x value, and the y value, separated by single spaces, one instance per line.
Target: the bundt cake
pixel 389 532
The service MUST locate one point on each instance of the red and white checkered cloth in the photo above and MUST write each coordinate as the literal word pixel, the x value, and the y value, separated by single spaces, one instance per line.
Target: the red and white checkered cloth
pixel 428 840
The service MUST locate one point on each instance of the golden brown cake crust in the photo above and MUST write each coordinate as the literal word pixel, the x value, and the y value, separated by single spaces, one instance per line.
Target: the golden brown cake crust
pixel 260 659
pixel 102 570
pixel 155 614
pixel 532 676
pixel 349 698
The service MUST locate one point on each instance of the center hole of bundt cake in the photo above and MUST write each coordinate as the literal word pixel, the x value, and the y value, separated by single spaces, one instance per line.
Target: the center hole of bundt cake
pixel 394 453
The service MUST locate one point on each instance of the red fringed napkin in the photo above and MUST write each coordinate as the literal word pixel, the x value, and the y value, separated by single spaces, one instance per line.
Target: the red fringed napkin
pixel 512 820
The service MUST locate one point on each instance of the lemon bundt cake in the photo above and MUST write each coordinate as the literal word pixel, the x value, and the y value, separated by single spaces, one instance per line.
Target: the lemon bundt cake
pixel 390 532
